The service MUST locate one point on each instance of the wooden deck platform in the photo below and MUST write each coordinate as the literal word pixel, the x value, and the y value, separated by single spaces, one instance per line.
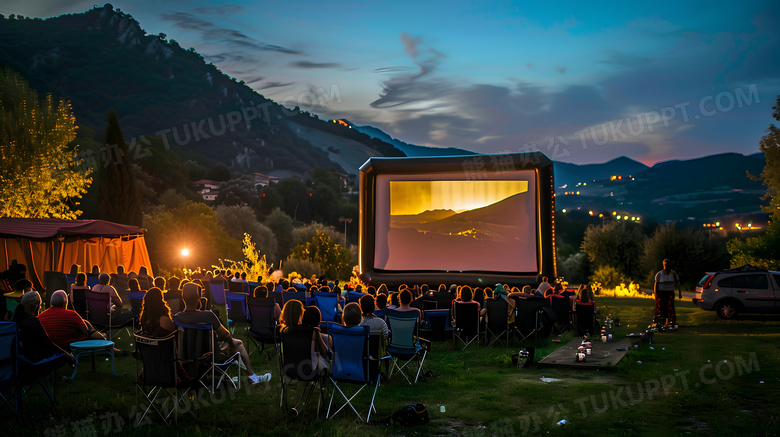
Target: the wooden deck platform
pixel 603 354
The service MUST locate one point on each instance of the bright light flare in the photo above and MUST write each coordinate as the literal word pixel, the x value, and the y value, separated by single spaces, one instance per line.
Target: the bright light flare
pixel 185 252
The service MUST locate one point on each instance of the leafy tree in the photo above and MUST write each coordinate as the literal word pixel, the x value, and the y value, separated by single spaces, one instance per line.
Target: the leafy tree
pixel 305 233
pixel 607 277
pixel 333 259
pixel 39 176
pixel 239 191
pixel 191 225
pixel 692 253
pixel 119 198
pixel 240 220
pixel 617 244
pixel 764 250
pixel 219 172
pixel 282 225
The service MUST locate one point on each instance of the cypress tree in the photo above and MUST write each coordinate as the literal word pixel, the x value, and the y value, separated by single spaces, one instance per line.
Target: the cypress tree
pixel 119 199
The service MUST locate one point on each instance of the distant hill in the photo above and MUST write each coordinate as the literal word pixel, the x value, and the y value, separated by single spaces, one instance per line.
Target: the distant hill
pixel 408 149
pixel 696 189
pixel 103 58
pixel 569 175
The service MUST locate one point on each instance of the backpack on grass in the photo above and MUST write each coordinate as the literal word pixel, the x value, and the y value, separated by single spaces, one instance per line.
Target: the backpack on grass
pixel 411 415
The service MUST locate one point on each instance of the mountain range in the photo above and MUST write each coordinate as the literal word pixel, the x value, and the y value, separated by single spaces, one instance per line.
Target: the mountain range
pixel 103 59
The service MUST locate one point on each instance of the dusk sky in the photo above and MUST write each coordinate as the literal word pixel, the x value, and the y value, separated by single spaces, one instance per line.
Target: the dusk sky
pixel 582 83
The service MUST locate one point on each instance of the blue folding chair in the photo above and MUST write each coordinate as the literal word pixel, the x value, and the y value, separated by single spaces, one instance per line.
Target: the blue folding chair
pixel 296 295
pixel 328 305
pixel 237 314
pixel 353 364
pixel 217 292
pixel 437 325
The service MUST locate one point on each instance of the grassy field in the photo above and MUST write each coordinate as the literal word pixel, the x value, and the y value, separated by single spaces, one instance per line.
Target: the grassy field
pixel 711 377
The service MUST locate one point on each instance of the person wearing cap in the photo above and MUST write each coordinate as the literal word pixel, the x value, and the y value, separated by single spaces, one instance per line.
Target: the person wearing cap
pixel 193 315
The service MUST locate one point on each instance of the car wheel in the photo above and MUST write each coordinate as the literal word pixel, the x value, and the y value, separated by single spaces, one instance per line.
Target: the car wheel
pixel 727 310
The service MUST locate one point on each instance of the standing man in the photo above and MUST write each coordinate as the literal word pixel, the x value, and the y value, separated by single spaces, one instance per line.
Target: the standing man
pixel 666 282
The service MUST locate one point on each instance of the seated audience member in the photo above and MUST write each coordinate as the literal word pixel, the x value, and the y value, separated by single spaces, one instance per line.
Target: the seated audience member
pixel 159 282
pixel 292 315
pixel 119 279
pixel 261 292
pixel 541 290
pixel 65 326
pixel 501 293
pixel 442 288
pixel 192 315
pixel 467 296
pixel 119 315
pixel 381 302
pixel 79 287
pixel 352 315
pixel 381 290
pixel 144 280
pixel 155 319
pixel 405 298
pixel 173 290
pixel 394 302
pixel 375 324
pixel 584 296
pixel 35 344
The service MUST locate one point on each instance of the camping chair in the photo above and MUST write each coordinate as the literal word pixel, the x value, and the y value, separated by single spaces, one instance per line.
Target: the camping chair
pixel 53 281
pixel 561 306
pixel 80 302
pixel 263 326
pixel 531 319
pixel 327 303
pixel 235 303
pixel 497 325
pixel 18 372
pixel 466 321
pixel 236 287
pixel 405 344
pixel 136 302
pixel 297 295
pixel 437 325
pixel 353 364
pixel 8 376
pixel 160 375
pixel 198 349
pixel 99 313
pixel 295 364
pixel 354 296
pixel 443 300
pixel 217 292
pixel 585 318
pixel 277 297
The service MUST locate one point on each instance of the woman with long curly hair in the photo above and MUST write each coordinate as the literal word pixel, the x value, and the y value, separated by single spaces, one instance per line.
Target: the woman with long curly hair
pixel 155 319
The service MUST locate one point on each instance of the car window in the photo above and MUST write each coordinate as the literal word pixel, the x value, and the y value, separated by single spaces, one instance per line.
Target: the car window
pixel 755 281
pixel 777 279
pixel 704 279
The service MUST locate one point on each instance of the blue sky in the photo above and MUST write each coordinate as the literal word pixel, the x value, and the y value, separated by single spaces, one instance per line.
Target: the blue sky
pixel 652 81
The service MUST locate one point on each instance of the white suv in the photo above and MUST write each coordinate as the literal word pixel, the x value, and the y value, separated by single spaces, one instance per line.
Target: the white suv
pixel 746 289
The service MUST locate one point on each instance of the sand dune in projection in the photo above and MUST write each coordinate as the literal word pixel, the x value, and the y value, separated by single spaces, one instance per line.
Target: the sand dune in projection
pixel 496 237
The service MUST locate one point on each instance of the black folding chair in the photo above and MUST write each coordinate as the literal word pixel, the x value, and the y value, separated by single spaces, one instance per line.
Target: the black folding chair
pixel 160 376
pixel 561 306
pixel 263 326
pixel 198 350
pixel 497 326
pixel 466 321
pixel 296 365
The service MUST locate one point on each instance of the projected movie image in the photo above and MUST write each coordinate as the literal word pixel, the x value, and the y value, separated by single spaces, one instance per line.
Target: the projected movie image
pixel 459 225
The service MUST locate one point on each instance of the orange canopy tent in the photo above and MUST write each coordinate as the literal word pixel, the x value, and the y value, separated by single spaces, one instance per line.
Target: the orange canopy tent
pixel 55 245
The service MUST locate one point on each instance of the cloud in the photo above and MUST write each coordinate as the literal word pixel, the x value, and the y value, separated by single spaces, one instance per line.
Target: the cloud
pixel 214 34
pixel 561 70
pixel 389 69
pixel 275 85
pixel 308 64
pixel 222 9
pixel 409 88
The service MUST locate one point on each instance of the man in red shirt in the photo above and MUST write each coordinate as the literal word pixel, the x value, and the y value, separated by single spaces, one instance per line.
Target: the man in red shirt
pixel 65 326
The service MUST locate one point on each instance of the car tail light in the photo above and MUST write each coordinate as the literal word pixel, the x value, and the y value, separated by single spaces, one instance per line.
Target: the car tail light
pixel 708 282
